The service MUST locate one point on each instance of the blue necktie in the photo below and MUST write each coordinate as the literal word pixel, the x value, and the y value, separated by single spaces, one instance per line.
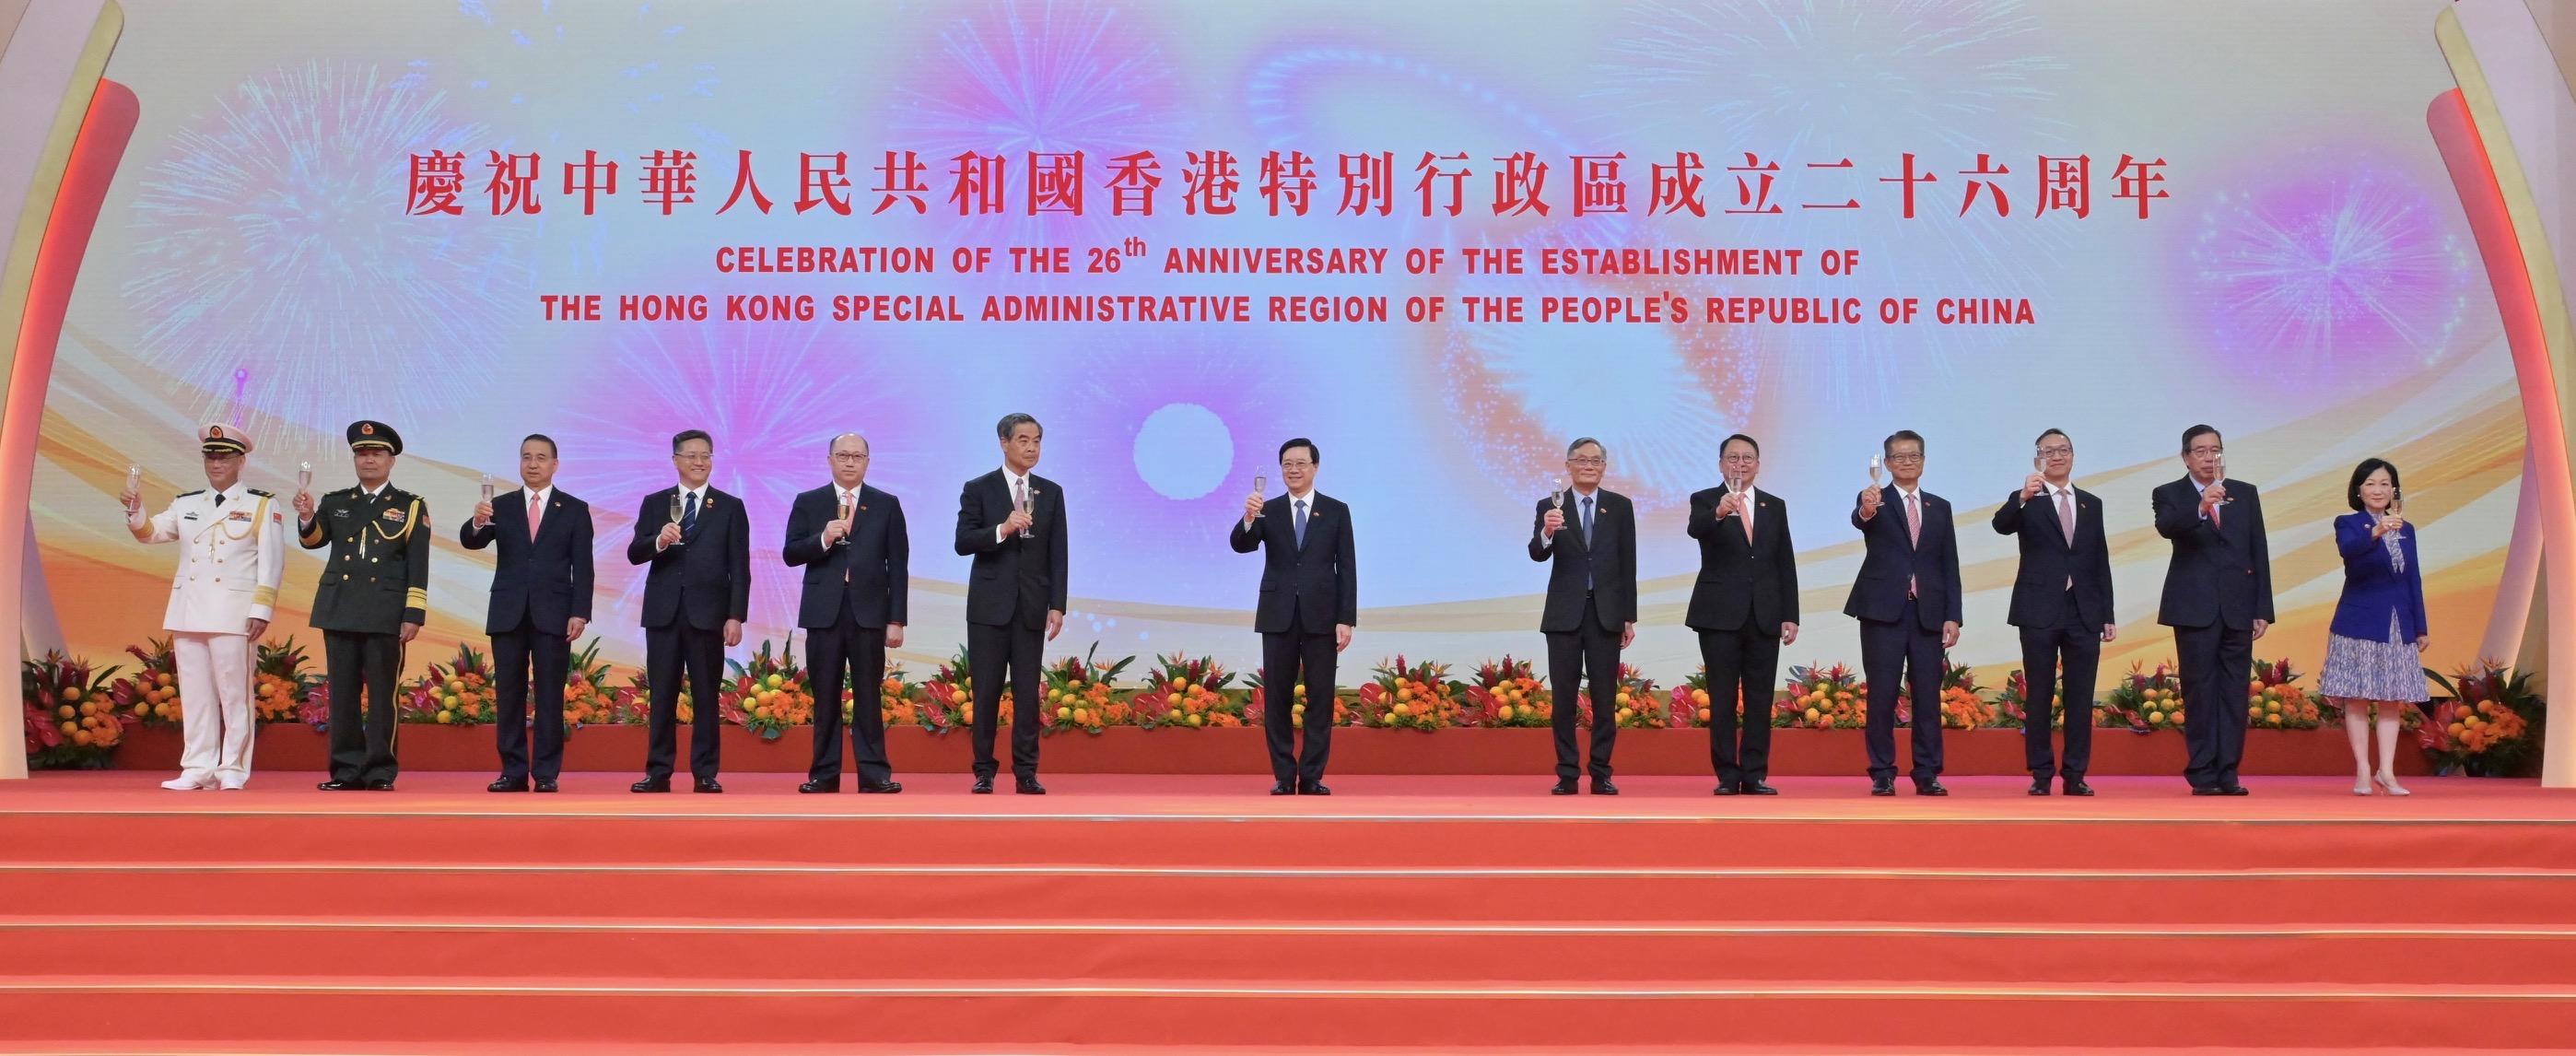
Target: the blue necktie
pixel 689 515
pixel 1301 524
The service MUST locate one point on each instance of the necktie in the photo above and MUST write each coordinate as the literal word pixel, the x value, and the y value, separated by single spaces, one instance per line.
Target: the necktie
pixel 219 498
pixel 1301 524
pixel 2066 523
pixel 2213 514
pixel 1587 540
pixel 1746 516
pixel 689 515
pixel 1913 533
pixel 536 514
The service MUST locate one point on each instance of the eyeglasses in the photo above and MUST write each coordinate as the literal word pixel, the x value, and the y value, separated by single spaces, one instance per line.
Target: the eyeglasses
pixel 849 456
pixel 2053 452
pixel 693 456
pixel 1904 460
pixel 1740 459
pixel 2206 450
pixel 1587 463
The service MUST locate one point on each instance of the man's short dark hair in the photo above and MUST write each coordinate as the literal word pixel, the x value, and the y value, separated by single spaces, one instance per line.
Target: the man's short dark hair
pixel 1756 444
pixel 687 435
pixel 1887 447
pixel 1312 453
pixel 1012 422
pixel 2361 475
pixel 1581 441
pixel 2042 438
pixel 2195 432
pixel 551 449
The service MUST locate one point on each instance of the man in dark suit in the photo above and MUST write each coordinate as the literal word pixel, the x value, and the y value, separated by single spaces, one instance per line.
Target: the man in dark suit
pixel 857 555
pixel 370 603
pixel 2218 600
pixel 1745 607
pixel 2061 601
pixel 1591 611
pixel 540 605
pixel 1906 598
pixel 698 592
pixel 1310 600
pixel 1012 522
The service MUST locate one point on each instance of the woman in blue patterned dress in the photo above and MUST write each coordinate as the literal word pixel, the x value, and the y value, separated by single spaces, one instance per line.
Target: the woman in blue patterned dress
pixel 2373 649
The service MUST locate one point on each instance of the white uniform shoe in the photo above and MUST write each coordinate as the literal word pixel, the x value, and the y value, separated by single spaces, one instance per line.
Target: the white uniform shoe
pixel 189 782
pixel 234 782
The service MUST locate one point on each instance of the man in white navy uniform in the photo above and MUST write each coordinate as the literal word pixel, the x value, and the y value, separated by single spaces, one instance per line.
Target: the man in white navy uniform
pixel 232 553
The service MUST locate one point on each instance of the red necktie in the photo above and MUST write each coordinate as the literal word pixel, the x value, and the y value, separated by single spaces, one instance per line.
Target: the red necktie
pixel 1913 533
pixel 536 513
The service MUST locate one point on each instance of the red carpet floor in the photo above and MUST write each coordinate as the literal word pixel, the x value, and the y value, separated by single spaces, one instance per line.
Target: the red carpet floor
pixel 1193 914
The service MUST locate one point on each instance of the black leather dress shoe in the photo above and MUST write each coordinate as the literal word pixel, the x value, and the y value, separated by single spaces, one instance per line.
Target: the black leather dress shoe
pixel 2075 786
pixel 2210 790
pixel 1722 790
pixel 1930 788
pixel 508 784
pixel 2233 790
pixel 545 784
pixel 386 784
pixel 1282 788
pixel 1882 786
pixel 1029 787
pixel 340 786
pixel 812 787
pixel 983 786
pixel 707 785
pixel 1756 788
pixel 1315 789
pixel 651 784
pixel 1605 787
pixel 881 788
pixel 1564 788
pixel 2039 786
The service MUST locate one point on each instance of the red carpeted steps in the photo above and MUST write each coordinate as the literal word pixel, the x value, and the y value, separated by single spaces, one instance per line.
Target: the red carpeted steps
pixel 1182 921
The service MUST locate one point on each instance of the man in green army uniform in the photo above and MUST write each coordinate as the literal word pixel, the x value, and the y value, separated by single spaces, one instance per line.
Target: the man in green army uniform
pixel 372 600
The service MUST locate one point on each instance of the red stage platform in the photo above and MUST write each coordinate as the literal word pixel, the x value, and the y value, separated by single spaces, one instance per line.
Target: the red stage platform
pixel 1194 914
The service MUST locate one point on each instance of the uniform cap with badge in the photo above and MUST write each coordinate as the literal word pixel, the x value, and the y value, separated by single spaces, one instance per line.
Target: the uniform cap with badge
pixel 364 435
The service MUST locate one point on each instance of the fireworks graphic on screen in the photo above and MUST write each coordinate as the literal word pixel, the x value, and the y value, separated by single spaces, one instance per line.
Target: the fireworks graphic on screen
pixel 1332 99
pixel 1168 434
pixel 2342 272
pixel 1802 82
pixel 1655 395
pixel 542 71
pixel 274 253
pixel 772 396
pixel 1049 78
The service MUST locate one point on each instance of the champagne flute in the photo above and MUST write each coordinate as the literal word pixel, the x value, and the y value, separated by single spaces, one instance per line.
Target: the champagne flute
pixel 133 497
pixel 1731 492
pixel 1023 504
pixel 1261 487
pixel 676 511
pixel 844 540
pixel 1556 499
pixel 2223 498
pixel 303 477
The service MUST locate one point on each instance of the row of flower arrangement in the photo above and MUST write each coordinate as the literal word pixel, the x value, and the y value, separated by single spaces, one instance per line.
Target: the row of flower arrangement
pixel 2485 720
